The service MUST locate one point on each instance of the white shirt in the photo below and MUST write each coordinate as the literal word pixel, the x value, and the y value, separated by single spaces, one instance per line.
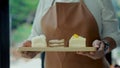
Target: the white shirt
pixel 102 10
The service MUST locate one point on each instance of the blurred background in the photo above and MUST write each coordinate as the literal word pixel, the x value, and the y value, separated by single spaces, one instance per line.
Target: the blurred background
pixel 22 13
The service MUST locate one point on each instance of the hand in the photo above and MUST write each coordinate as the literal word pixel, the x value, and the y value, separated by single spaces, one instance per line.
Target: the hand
pixel 99 53
pixel 28 54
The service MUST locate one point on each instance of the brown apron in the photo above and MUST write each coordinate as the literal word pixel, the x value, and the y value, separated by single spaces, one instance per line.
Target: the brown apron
pixel 61 22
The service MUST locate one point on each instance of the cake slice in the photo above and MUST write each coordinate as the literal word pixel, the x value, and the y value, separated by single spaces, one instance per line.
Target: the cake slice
pixel 39 41
pixel 56 43
pixel 77 41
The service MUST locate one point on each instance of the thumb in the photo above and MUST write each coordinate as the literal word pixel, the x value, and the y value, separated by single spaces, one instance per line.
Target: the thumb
pixel 96 43
pixel 27 43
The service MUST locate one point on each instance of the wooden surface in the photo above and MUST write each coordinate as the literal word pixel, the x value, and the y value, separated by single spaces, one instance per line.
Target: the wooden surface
pixel 56 49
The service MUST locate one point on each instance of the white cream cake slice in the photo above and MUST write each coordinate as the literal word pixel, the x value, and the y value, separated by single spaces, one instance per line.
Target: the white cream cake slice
pixel 39 41
pixel 77 41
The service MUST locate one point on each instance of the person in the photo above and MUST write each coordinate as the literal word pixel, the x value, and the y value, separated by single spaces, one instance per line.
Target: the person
pixel 94 20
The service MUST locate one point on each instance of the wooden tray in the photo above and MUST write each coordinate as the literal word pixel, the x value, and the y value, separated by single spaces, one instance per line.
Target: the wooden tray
pixel 56 49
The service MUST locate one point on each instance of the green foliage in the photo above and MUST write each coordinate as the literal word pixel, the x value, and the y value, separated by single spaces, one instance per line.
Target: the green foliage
pixel 20 10
pixel 21 33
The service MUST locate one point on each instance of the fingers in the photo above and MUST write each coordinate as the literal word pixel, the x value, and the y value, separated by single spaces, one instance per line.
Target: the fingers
pixel 92 53
pixel 101 48
pixel 29 54
pixel 98 53
pixel 98 44
pixel 27 43
pixel 82 53
pixel 85 53
pixel 25 55
pixel 88 54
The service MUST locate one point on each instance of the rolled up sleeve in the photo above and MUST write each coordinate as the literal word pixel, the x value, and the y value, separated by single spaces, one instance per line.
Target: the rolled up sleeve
pixel 36 27
pixel 110 22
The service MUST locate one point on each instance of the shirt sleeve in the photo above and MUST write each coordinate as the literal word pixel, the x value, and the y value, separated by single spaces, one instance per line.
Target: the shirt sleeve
pixel 36 27
pixel 110 22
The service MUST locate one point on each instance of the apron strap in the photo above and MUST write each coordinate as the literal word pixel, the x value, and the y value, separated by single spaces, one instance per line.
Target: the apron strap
pixel 82 1
pixel 53 2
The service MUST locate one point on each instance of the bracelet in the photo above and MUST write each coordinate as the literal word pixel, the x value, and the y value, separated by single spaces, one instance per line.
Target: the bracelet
pixel 107 45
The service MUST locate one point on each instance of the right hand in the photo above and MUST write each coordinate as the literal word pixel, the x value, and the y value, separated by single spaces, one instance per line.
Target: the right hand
pixel 28 54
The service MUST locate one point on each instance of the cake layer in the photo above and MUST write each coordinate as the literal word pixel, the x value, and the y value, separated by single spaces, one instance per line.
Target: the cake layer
pixel 39 41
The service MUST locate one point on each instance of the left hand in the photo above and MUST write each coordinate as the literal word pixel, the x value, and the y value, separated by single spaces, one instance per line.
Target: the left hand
pixel 99 53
